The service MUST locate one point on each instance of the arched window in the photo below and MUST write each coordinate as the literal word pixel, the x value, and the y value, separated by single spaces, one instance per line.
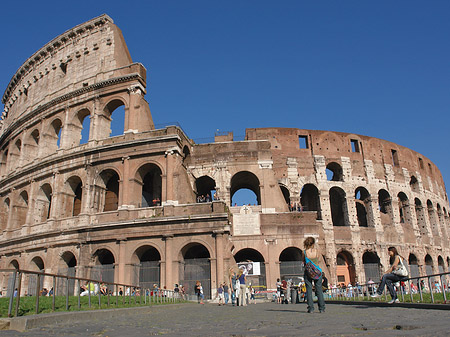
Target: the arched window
pixel 428 265
pixel 43 203
pixel 287 197
pixel 385 207
pixel 414 184
pixel 249 182
pixel 114 122
pixel 420 215
pixel 36 265
pixel 206 189
pixel 83 121
pixel 309 198
pixel 73 196
pixel 67 266
pixel 151 177
pixel 432 218
pixel 338 203
pixel 20 209
pixel 363 207
pixel 404 208
pixel 55 133
pixel 334 172
pixel 4 214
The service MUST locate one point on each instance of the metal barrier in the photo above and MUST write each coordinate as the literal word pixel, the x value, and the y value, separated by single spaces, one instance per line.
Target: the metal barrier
pixel 413 290
pixel 129 292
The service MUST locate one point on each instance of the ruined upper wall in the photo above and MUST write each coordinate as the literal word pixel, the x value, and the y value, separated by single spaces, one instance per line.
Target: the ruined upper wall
pixel 285 143
pixel 84 55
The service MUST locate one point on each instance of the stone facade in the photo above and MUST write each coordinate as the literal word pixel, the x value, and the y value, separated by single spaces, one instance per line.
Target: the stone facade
pixel 126 208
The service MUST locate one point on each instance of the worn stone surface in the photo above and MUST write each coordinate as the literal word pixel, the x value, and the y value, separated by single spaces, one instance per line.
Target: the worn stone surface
pixel 266 319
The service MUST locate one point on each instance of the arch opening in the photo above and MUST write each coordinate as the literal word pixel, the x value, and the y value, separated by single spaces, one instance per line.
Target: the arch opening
pixel 338 203
pixel 151 177
pixel 345 268
pixel 309 199
pixel 252 262
pixel 206 189
pixel 291 264
pixel 372 266
pixel 244 189
pixel 196 266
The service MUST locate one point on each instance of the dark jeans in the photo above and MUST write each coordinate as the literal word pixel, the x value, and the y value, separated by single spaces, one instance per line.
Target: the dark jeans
pixel 319 292
pixel 389 280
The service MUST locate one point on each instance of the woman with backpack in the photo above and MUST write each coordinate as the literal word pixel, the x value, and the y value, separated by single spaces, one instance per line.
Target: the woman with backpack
pixel 313 273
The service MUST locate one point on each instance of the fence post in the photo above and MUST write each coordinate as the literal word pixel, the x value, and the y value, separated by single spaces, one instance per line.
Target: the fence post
pixel 54 293
pixel 19 289
pixel 431 289
pixel 38 289
pixel 79 297
pixel 67 294
pixel 117 294
pixel 410 291
pixel 99 296
pixel 443 286
pixel 11 296
pixel 89 292
pixel 107 291
pixel 420 289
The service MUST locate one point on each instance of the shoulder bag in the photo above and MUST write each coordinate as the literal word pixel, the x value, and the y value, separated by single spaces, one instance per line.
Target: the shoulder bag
pixel 312 269
pixel 401 269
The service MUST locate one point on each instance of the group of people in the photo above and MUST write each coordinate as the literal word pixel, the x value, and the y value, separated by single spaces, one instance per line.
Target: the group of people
pixel 206 198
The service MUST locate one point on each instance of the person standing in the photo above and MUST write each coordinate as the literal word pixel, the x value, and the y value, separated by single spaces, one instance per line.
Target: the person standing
pixel 233 280
pixel 278 291
pixel 242 290
pixel 312 256
pixel 220 294
pixel 391 276
pixel 226 292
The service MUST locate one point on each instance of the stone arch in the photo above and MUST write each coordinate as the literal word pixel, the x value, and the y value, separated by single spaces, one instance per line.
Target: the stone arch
pixel 206 187
pixel 115 106
pixel 196 266
pixel 371 263
pixel 43 203
pixel 334 172
pixel 31 145
pixel 73 197
pixel 107 190
pixel 287 196
pixel 413 265
pixel 4 213
pixel 20 209
pixel 4 161
pixel 309 198
pixel 9 279
pixel 291 263
pixel 66 266
pixel 36 264
pixel 104 265
pixel 404 208
pixel 147 266
pixel 345 268
pixel 338 204
pixel 428 264
pixel 186 154
pixel 414 184
pixel 441 264
pixel 149 176
pixel 246 255
pixel 363 207
pixel 385 207
pixel 432 218
pixel 245 180
pixel 82 127
pixel 54 135
pixel 14 154
pixel 420 216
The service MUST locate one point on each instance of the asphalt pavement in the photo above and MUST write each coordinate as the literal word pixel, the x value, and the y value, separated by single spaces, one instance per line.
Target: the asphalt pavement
pixel 262 319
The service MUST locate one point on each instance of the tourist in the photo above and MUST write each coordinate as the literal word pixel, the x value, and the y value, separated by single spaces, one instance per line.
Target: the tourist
pixel 371 286
pixel 220 294
pixel 389 278
pixel 242 288
pixel 199 292
pixel 252 294
pixel 312 256
pixel 226 292
pixel 278 291
pixel 233 280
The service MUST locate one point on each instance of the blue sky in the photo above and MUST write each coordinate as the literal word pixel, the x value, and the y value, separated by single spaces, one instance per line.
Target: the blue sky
pixel 377 68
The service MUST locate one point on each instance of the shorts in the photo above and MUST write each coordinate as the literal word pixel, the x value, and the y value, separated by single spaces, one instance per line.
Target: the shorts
pixel 221 296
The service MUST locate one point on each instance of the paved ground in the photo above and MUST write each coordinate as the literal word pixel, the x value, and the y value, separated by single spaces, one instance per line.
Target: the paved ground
pixel 265 319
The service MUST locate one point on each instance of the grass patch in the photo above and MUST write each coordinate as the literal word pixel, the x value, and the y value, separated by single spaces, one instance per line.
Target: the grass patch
pixel 28 304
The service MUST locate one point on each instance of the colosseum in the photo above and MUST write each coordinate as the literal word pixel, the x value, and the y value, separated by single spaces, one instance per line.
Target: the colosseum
pixel 150 205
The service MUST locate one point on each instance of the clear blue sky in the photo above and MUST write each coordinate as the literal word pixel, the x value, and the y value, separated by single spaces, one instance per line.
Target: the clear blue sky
pixel 377 68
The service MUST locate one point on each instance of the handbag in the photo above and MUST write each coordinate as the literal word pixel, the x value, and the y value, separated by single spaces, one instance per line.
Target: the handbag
pixel 312 269
pixel 401 269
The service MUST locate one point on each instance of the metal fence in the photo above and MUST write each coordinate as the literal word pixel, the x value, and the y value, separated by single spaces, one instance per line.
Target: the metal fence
pixel 68 285
pixel 418 289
